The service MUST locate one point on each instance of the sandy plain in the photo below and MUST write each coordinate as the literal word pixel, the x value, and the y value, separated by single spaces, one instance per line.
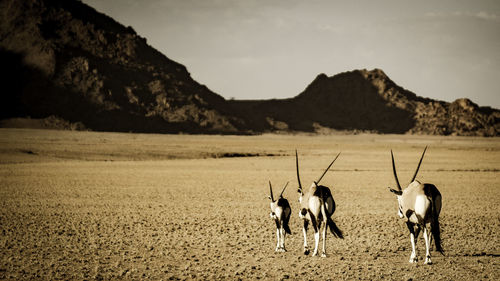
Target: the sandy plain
pixel 87 205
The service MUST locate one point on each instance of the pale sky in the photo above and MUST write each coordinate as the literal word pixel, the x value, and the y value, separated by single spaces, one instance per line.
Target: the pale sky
pixel 263 49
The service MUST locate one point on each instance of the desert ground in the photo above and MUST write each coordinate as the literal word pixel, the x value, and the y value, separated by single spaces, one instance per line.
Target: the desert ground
pixel 88 205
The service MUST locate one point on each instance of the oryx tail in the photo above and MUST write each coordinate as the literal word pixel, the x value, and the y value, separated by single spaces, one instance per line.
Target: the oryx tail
pixel 286 227
pixel 330 223
pixel 435 229
pixel 334 229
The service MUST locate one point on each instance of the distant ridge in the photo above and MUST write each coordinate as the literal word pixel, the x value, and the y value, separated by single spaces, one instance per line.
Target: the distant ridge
pixel 63 61
pixel 363 100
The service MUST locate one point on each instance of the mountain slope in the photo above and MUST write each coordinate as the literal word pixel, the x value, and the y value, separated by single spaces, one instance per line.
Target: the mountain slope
pixel 62 58
pixel 83 66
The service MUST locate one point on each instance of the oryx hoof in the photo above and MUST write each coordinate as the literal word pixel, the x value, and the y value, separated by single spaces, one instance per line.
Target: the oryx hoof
pixel 306 251
pixel 323 255
pixel 315 253
pixel 428 260
pixel 413 259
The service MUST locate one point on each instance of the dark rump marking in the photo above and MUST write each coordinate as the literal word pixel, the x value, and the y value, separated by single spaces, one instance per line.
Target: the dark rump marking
pixel 322 192
pixel 282 202
pixel 431 190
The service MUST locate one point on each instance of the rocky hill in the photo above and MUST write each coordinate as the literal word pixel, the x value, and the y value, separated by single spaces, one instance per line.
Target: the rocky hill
pixel 63 58
pixel 64 61
pixel 364 100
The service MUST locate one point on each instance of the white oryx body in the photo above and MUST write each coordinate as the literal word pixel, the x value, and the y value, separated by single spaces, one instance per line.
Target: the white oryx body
pixel 420 205
pixel 317 207
pixel 280 212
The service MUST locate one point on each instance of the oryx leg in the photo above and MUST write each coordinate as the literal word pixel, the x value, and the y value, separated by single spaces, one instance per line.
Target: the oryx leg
pixel 324 218
pixel 277 235
pixel 316 237
pixel 283 234
pixel 323 254
pixel 283 240
pixel 427 237
pixel 304 231
pixel 417 231
pixel 413 256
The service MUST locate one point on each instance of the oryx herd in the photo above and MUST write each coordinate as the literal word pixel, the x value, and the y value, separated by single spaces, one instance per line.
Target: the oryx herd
pixel 419 204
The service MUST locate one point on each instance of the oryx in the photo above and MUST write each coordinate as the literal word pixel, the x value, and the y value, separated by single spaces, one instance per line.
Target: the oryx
pixel 280 212
pixel 420 205
pixel 317 207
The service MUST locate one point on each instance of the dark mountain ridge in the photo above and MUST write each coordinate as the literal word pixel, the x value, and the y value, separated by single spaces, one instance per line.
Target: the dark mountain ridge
pixel 83 66
pixel 64 59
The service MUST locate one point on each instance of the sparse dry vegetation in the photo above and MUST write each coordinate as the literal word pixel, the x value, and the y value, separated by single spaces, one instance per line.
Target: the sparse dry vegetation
pixel 86 205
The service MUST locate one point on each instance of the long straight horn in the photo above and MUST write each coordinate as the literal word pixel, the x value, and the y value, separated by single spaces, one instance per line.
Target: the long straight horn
pixel 297 166
pixel 271 189
pixel 281 194
pixel 317 182
pixel 418 167
pixel 394 171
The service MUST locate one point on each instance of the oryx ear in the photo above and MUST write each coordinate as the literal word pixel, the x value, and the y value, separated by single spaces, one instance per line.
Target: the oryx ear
pixel 397 192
